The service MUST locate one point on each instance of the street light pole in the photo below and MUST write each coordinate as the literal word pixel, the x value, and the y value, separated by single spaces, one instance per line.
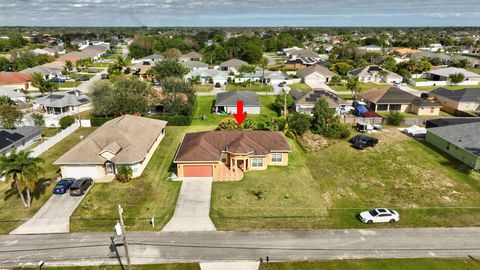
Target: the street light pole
pixel 125 244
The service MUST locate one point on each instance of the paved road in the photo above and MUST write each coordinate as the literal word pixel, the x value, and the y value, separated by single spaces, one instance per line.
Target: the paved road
pixel 53 217
pixel 86 87
pixel 271 60
pixel 164 247
pixel 410 90
pixel 192 212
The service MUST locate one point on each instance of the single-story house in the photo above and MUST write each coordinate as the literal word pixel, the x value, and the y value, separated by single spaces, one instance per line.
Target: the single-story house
pixel 302 53
pixel 15 79
pixel 20 138
pixel 226 155
pixel 443 122
pixel 459 141
pixel 315 75
pixel 466 99
pixel 375 74
pixel 212 76
pixel 305 101
pixel 150 59
pixel 113 144
pixel 62 103
pixel 191 56
pixel 13 93
pixel 442 74
pixel 193 65
pixel 371 48
pixel 395 99
pixel 232 65
pixel 226 102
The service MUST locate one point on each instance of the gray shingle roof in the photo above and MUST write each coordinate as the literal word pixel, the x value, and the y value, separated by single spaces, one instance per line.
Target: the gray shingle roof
pixel 463 135
pixel 250 99
pixel 233 63
pixel 10 138
pixel 63 99
pixel 194 64
pixel 465 94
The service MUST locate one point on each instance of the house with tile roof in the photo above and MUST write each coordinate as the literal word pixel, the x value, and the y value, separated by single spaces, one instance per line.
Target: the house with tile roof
pixel 460 141
pixel 15 79
pixel 114 144
pixel 226 102
pixel 466 99
pixel 226 155
pixel 395 99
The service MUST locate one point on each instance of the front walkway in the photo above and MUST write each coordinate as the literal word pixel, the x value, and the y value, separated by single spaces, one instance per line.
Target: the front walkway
pixel 223 173
pixel 192 212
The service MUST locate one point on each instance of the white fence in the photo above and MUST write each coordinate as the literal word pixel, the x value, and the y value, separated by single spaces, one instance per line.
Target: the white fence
pixel 439 83
pixel 40 149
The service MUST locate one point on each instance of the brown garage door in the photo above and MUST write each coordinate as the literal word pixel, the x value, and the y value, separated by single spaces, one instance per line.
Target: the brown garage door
pixel 197 170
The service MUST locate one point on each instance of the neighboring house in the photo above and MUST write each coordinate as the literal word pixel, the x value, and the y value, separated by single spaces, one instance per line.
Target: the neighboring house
pixel 46 51
pixel 403 51
pixel 375 74
pixel 232 65
pixel 395 99
pixel 315 75
pixel 226 155
pixel 113 144
pixel 371 48
pixel 466 99
pixel 191 56
pixel 442 74
pixel 459 141
pixel 48 70
pixel 62 103
pixel 193 65
pixel 444 58
pixel 90 51
pixel 305 101
pixel 443 122
pixel 13 93
pixel 289 51
pixel 20 138
pixel 212 76
pixel 15 79
pixel 226 102
pixel 304 62
pixel 150 59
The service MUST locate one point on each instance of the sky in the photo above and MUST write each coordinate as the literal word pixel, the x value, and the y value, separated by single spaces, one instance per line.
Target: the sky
pixel 229 13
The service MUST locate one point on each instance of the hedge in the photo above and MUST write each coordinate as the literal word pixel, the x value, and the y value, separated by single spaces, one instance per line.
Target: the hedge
pixel 175 119
pixel 98 120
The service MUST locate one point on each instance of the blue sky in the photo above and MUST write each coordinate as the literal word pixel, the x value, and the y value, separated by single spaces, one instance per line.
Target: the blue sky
pixel 240 13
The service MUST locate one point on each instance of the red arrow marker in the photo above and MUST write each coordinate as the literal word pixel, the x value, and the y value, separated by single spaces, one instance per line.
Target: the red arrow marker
pixel 240 116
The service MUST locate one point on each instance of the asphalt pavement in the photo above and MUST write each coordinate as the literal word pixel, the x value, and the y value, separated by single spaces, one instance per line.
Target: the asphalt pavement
pixel 169 247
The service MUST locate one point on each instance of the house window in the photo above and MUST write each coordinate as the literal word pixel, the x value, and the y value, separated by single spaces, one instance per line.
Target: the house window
pixel 395 107
pixel 276 158
pixel 224 158
pixel 432 109
pixel 448 146
pixel 257 162
pixel 382 107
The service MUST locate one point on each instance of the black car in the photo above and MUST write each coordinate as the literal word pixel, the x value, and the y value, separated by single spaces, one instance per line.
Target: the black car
pixel 362 141
pixel 82 79
pixel 217 85
pixel 80 186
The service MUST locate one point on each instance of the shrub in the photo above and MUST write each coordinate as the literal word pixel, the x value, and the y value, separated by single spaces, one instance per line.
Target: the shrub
pixel 395 118
pixel 98 121
pixel 174 119
pixel 66 121
pixel 299 123
pixel 38 119
pixel 250 124
pixel 228 124
pixel 124 174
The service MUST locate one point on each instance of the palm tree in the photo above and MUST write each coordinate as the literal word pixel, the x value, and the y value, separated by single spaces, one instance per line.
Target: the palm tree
pixel 263 63
pixel 194 80
pixel 23 170
pixel 353 85
pixel 43 85
pixel 68 66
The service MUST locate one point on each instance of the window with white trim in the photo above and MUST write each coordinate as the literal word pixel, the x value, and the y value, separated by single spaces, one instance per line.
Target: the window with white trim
pixel 276 158
pixel 257 162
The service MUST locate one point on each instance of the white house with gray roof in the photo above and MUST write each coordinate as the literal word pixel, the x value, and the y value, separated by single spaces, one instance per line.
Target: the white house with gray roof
pixel 226 102
pixel 212 76
pixel 194 65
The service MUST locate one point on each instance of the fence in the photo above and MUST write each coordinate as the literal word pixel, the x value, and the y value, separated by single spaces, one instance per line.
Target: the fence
pixel 40 149
pixel 368 120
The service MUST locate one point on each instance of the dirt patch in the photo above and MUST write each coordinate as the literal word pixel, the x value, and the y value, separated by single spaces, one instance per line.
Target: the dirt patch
pixel 311 142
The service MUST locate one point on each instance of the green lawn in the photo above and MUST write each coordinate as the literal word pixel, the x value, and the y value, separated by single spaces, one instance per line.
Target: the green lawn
pixel 86 114
pixel 13 213
pixel 68 84
pixel 412 115
pixel 176 266
pixel 383 264
pixel 203 88
pixel 300 86
pixel 327 188
pixel 80 75
pixel 450 87
pixel 204 107
pixel 256 87
pixel 363 87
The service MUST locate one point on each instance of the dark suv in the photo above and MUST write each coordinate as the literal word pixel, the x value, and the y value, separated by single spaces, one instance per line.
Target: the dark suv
pixel 362 141
pixel 80 186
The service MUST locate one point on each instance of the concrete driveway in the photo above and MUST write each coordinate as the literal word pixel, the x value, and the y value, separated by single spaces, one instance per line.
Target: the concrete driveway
pixel 87 86
pixel 192 212
pixel 53 217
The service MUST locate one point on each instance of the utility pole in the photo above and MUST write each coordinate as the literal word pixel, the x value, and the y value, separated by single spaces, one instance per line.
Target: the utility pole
pixel 285 103
pixel 125 245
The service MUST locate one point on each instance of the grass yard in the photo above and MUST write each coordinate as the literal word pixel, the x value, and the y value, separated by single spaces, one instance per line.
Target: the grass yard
pixel 13 213
pixel 203 88
pixel 300 86
pixel 173 266
pixel 256 87
pixel 363 87
pixel 372 264
pixel 450 87
pixel 412 115
pixel 204 107
pixel 327 188
pixel 68 84
pixel 86 114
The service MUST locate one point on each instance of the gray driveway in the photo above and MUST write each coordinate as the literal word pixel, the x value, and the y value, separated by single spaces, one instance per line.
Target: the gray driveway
pixel 192 212
pixel 53 217
pixel 87 86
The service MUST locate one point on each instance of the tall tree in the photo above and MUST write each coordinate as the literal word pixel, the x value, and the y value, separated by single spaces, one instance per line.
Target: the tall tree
pixel 23 170
pixel 168 68
pixel 10 116
pixel 263 63
pixel 353 84
pixel 68 66
pixel 456 78
pixel 172 53
pixel 43 85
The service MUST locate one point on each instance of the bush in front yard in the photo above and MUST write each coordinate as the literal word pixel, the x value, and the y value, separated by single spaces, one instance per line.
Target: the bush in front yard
pixel 228 124
pixel 395 118
pixel 299 123
pixel 66 121
pixel 124 174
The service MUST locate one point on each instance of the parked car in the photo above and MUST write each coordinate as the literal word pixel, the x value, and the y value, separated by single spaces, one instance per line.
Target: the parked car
pixel 82 79
pixel 92 71
pixel 63 186
pixel 362 141
pixel 57 80
pixel 80 186
pixel 218 85
pixel 379 215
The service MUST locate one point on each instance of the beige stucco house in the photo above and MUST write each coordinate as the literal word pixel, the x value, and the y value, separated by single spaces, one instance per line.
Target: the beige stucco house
pixel 466 99
pixel 127 140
